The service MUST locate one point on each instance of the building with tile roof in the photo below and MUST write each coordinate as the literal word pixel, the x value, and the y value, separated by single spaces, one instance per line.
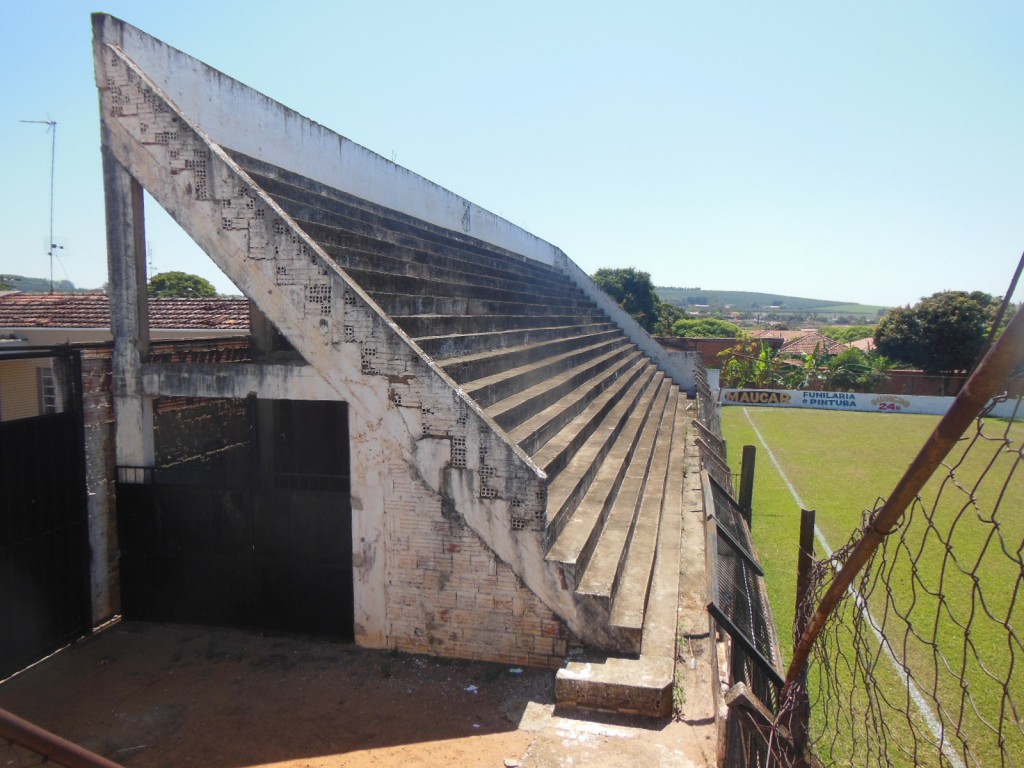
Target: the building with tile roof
pixel 46 319
pixel 812 343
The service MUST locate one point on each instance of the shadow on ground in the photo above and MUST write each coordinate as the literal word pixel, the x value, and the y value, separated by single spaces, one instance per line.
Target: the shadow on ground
pixel 158 695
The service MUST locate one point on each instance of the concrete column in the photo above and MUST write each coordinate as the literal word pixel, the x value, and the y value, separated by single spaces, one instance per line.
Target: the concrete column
pixel 261 334
pixel 129 315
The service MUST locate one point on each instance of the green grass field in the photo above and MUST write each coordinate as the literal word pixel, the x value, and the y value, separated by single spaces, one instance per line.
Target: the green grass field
pixel 840 464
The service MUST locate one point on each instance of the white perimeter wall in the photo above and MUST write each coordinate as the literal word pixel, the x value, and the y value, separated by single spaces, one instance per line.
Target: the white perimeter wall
pixel 847 401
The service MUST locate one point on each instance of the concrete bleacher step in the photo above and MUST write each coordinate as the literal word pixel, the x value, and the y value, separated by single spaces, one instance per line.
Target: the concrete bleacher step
pixel 601 578
pixel 443 326
pixel 572 457
pixel 533 433
pixel 540 383
pixel 399 304
pixel 641 684
pixel 581 382
pixel 582 510
pixel 442 347
pixel 364 245
pixel 479 365
pixel 490 389
pixel 350 222
pixel 634 581
pixel 374 281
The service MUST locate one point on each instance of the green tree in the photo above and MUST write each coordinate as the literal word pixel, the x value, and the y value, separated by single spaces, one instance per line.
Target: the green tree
pixel 633 291
pixel 705 328
pixel 750 364
pixel 668 316
pixel 180 285
pixel 856 371
pixel 848 333
pixel 943 332
pixel 4 285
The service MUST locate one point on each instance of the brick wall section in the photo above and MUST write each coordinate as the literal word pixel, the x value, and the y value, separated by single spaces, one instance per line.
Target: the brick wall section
pixel 187 428
pixel 709 349
pixel 449 595
pixel 919 383
pixel 100 476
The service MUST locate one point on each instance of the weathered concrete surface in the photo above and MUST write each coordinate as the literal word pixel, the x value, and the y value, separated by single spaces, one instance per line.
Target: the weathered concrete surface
pixel 149 696
pixel 677 650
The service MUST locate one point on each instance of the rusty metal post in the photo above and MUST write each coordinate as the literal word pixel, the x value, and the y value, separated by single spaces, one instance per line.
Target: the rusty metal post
pixel 746 498
pixel 48 745
pixel 800 714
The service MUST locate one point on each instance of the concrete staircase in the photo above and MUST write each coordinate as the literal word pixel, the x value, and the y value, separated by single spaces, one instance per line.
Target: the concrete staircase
pixel 567 386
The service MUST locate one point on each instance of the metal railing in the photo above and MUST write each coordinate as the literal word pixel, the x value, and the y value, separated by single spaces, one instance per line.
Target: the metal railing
pixel 738 601
pixel 24 744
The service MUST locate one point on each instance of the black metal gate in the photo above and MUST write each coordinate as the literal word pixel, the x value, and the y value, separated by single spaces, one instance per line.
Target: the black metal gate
pixel 258 549
pixel 44 544
pixel 208 548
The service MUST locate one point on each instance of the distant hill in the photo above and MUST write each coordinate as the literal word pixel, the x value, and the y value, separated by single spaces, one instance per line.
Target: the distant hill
pixel 38 284
pixel 752 302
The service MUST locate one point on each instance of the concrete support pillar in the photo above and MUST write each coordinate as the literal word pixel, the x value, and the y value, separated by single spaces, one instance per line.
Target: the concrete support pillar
pixel 261 334
pixel 129 315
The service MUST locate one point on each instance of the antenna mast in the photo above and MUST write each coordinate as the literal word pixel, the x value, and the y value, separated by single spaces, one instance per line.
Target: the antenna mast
pixel 52 128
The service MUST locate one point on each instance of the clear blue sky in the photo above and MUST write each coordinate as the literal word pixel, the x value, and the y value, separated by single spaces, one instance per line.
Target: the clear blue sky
pixel 866 152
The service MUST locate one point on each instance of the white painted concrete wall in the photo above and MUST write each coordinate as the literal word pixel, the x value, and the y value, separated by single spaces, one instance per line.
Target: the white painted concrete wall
pixel 238 117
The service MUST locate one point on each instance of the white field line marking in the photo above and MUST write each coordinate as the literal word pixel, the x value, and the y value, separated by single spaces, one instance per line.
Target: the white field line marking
pixel 927 714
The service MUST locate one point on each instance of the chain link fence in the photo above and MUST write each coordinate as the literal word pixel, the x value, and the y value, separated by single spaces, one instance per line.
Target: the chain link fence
pixel 922 663
pixel 913 653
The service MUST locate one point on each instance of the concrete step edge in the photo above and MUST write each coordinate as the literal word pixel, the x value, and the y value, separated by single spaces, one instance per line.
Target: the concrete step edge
pixel 522 406
pixel 629 607
pixel 568 486
pixel 602 576
pixel 579 534
pixel 536 431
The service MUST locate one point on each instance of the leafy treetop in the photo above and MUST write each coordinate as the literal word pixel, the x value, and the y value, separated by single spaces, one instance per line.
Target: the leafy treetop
pixel 633 291
pixel 848 333
pixel 181 285
pixel 941 333
pixel 706 328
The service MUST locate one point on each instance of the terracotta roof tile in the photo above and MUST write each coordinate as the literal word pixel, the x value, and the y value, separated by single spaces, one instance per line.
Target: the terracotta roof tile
pixel 92 310
pixel 810 342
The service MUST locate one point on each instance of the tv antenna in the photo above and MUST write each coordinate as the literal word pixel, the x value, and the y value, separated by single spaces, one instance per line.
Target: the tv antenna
pixel 51 127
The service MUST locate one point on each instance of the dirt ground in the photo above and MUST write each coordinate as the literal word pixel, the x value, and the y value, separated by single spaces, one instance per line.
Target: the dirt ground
pixel 149 696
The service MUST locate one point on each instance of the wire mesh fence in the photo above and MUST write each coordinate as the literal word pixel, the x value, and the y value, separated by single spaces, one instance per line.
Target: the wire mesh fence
pixel 914 655
pixel 923 662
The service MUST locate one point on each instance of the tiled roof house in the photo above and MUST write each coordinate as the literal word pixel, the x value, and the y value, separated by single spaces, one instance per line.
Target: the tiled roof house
pixel 43 319
pixel 810 343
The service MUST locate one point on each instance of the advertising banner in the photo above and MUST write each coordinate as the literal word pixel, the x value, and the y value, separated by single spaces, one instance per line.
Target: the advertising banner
pixel 835 401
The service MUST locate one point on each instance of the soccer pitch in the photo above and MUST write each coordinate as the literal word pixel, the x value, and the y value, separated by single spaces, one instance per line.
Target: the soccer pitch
pixel 839 464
